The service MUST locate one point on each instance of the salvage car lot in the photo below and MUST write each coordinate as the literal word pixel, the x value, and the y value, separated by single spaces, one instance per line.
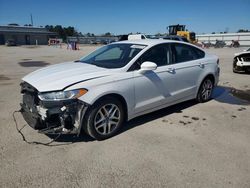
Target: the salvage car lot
pixel 188 145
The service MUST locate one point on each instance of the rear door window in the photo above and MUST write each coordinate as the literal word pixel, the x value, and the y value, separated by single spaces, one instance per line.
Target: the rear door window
pixel 184 53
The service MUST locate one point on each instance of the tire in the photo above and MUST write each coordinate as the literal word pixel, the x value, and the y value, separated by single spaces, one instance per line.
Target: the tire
pixel 104 119
pixel 205 90
pixel 235 67
pixel 247 70
pixel 238 69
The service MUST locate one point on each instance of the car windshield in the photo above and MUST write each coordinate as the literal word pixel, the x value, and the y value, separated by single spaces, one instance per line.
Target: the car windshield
pixel 113 55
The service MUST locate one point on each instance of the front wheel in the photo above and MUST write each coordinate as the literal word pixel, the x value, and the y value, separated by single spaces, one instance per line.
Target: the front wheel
pixel 235 67
pixel 205 90
pixel 104 119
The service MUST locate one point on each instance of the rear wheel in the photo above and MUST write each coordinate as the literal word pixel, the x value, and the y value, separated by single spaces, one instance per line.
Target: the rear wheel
pixel 104 119
pixel 205 90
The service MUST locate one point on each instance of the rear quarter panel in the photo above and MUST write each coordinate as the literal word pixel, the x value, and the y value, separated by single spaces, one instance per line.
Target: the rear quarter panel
pixel 210 68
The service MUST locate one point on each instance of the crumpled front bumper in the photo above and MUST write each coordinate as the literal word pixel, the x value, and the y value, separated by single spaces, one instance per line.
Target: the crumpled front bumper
pixel 65 119
pixel 52 117
pixel 243 63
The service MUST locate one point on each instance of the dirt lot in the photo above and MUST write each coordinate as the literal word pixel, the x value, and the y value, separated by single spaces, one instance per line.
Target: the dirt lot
pixel 188 145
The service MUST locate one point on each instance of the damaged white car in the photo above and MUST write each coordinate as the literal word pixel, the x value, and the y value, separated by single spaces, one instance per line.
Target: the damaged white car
pixel 241 62
pixel 116 83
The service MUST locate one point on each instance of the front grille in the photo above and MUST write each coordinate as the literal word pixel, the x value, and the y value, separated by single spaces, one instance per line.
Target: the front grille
pixel 246 59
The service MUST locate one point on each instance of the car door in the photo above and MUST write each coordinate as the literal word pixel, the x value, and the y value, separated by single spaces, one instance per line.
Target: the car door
pixel 186 66
pixel 152 87
pixel 178 69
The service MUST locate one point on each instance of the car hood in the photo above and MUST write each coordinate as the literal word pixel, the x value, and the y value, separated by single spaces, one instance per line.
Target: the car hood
pixel 60 76
pixel 241 53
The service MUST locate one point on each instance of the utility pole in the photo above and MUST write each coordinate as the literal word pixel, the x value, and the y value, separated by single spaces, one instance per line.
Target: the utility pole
pixel 31 19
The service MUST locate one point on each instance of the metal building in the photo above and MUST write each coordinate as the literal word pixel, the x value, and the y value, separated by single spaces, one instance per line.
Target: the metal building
pixel 243 38
pixel 25 35
pixel 93 40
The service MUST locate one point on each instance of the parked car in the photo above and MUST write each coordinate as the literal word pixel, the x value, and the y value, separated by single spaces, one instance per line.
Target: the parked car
pixel 10 42
pixel 117 83
pixel 219 44
pixel 123 37
pixel 176 37
pixel 104 41
pixel 241 62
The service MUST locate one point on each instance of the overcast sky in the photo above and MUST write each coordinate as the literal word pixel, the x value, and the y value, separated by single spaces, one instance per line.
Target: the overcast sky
pixel 124 16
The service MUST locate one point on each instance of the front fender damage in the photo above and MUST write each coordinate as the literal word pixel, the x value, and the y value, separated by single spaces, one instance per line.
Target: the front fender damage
pixel 64 117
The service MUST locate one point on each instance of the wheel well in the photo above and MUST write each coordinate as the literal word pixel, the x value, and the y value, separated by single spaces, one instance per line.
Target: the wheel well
pixel 210 76
pixel 120 98
pixel 235 59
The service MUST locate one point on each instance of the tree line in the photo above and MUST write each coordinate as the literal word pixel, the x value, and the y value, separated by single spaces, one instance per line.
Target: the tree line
pixel 64 32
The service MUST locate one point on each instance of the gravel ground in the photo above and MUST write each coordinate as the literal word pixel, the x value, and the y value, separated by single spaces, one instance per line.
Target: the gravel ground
pixel 187 145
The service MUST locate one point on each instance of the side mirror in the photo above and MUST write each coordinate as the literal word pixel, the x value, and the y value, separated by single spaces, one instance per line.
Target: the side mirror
pixel 147 66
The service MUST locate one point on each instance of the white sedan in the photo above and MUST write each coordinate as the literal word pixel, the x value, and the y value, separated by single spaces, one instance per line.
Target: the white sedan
pixel 116 83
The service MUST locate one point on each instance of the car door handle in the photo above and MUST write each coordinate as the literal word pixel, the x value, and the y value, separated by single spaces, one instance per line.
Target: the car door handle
pixel 171 70
pixel 201 65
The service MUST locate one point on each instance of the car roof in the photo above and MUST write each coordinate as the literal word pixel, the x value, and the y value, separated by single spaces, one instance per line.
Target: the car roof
pixel 153 42
pixel 148 42
pixel 173 36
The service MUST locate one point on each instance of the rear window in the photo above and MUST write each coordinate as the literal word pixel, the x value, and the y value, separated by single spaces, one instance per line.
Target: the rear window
pixel 199 53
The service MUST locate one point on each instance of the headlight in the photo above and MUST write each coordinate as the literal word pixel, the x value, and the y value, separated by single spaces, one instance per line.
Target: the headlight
pixel 62 95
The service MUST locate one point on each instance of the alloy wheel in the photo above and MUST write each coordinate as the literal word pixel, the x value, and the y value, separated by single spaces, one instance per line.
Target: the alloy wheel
pixel 107 119
pixel 207 88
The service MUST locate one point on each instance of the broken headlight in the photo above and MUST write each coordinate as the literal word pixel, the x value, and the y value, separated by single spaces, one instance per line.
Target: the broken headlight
pixel 62 95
